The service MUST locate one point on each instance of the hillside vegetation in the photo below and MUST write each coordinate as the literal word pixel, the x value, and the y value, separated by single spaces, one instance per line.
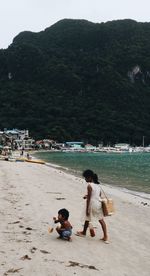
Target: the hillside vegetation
pixel 78 80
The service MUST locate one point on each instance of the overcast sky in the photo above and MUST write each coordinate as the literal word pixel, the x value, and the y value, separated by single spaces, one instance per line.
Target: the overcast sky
pixel 36 15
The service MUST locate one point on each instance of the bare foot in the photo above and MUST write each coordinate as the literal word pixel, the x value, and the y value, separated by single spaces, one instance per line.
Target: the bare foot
pixel 80 234
pixel 65 238
pixel 105 240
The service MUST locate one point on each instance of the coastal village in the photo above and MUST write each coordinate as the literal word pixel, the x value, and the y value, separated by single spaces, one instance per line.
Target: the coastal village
pixel 16 140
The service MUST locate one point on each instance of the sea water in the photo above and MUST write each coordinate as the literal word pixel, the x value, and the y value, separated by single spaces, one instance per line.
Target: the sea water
pixel 125 170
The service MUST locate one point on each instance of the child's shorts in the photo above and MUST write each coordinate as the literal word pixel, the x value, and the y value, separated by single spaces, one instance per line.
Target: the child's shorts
pixel 66 233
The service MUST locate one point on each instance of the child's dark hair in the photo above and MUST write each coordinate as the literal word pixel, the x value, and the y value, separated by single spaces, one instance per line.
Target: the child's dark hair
pixel 90 173
pixel 64 212
pixel 95 178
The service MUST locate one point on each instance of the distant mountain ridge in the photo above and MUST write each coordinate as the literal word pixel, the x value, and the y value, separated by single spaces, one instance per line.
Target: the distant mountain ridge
pixel 79 80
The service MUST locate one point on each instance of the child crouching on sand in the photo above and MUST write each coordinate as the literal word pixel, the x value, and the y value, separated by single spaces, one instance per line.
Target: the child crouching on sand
pixel 65 228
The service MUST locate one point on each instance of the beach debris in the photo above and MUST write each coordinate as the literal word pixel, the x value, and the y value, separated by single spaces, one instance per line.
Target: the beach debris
pixel 33 249
pixel 60 198
pixel 25 257
pixel 14 222
pixel 72 263
pixel 25 232
pixel 12 270
pixel 45 252
pixel 27 241
pixel 144 203
pixel 29 228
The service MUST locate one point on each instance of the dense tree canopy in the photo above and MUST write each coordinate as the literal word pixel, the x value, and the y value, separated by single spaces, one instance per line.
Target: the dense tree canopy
pixel 79 80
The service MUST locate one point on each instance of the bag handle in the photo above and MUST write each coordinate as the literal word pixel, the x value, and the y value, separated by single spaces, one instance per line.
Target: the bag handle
pixel 104 194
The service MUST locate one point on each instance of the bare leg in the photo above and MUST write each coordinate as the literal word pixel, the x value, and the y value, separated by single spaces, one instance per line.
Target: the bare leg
pixel 59 231
pixel 85 227
pixel 104 228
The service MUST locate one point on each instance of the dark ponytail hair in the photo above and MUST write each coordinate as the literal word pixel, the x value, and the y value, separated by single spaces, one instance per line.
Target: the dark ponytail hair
pixel 95 179
pixel 90 173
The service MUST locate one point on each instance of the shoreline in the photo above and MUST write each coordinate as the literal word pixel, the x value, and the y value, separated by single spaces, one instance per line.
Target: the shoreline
pixel 31 194
pixel 136 183
pixel 118 188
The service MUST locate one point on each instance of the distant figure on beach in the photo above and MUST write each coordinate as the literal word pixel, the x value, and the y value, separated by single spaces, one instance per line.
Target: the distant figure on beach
pixel 28 156
pixel 65 228
pixel 93 205
pixel 22 152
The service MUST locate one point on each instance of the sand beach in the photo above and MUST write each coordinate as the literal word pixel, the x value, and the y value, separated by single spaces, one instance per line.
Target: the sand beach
pixel 31 194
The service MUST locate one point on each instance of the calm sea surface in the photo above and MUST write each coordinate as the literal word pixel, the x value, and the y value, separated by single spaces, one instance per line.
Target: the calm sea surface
pixel 126 170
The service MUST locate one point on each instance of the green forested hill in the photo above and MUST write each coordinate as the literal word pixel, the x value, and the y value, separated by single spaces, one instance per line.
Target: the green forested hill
pixel 78 80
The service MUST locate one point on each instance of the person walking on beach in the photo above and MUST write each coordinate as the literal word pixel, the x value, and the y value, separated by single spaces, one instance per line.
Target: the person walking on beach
pixel 93 204
pixel 65 228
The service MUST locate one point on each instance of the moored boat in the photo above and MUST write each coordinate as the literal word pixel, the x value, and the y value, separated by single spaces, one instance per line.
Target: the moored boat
pixel 37 161
pixel 21 159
